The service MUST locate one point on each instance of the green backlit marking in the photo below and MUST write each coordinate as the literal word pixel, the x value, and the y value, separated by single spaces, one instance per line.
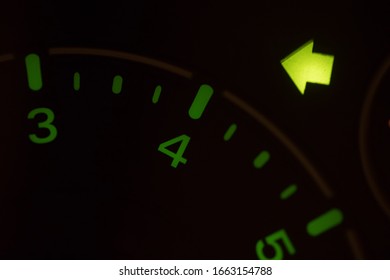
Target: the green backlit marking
pixel 178 156
pixel 76 81
pixel 303 66
pixel 156 94
pixel 200 102
pixel 275 240
pixel 117 84
pixel 47 124
pixel 261 159
pixel 229 133
pixel 34 74
pixel 288 192
pixel 325 222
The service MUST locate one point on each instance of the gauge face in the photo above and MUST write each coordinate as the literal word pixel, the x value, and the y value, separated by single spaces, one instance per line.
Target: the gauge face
pixel 375 136
pixel 153 130
pixel 116 155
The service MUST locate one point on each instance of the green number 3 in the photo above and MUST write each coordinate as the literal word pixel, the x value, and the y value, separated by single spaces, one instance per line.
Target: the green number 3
pixel 47 124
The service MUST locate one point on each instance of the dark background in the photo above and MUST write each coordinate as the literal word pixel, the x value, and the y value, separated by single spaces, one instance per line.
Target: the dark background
pixel 239 44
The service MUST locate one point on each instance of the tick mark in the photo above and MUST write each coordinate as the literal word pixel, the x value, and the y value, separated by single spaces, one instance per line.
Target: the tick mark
pixel 156 94
pixel 230 132
pixel 261 159
pixel 34 74
pixel 200 102
pixel 76 81
pixel 117 84
pixel 325 222
pixel 288 192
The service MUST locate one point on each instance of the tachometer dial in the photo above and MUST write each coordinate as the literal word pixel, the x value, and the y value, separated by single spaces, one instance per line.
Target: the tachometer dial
pixel 114 155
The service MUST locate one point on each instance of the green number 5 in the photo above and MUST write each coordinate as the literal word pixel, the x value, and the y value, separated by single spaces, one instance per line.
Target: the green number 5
pixel 47 124
pixel 272 241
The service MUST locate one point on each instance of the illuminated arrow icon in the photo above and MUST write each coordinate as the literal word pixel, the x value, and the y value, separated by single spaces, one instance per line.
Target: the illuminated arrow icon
pixel 303 66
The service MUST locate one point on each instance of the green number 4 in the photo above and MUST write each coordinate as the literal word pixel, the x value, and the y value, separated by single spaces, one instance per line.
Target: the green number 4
pixel 178 155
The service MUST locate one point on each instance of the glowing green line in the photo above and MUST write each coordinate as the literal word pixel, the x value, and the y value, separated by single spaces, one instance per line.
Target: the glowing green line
pixel 229 133
pixel 288 192
pixel 34 75
pixel 156 94
pixel 325 222
pixel 261 159
pixel 200 102
pixel 76 81
pixel 117 84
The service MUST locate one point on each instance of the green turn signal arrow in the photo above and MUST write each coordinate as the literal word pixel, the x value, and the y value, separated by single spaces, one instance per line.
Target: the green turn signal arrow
pixel 303 66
